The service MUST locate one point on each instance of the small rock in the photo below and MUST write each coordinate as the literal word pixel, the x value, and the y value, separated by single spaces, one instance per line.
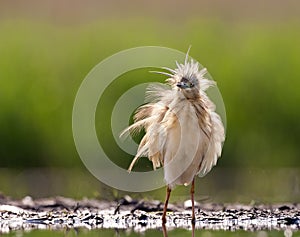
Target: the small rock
pixel 28 201
pixel 126 200
pixel 188 204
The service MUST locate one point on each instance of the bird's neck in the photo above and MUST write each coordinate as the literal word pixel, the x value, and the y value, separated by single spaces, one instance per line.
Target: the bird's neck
pixel 191 94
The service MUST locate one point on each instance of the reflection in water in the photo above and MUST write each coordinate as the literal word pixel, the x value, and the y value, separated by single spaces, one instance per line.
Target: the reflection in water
pixel 165 232
pixel 288 232
pixel 164 229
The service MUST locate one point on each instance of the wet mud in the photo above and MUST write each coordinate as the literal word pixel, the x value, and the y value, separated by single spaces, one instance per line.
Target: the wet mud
pixel 139 215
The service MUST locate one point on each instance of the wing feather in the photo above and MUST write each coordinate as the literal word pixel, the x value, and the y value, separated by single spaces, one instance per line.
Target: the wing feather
pixel 214 149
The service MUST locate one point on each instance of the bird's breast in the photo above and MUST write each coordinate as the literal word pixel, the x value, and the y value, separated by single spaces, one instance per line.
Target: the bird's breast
pixel 185 143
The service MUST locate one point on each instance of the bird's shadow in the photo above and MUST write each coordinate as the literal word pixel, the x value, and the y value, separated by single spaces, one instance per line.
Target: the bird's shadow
pixel 165 231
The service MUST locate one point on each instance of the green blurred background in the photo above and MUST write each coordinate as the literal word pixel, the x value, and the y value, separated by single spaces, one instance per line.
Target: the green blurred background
pixel 47 48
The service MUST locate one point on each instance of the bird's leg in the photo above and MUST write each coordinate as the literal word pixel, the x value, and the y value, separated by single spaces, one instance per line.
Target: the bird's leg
pixel 166 205
pixel 192 199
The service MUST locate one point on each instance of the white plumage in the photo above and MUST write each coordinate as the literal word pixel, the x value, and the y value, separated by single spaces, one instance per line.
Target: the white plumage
pixel 183 133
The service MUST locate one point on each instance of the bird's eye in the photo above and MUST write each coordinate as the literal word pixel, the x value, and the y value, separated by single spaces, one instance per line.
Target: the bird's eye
pixel 185 83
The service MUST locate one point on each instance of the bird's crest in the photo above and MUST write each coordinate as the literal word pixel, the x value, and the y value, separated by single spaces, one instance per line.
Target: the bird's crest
pixel 190 71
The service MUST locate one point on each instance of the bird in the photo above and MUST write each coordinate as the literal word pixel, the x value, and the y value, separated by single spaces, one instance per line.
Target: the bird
pixel 183 132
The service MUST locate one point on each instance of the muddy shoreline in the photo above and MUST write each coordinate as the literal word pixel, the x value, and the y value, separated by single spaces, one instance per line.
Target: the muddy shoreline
pixel 140 215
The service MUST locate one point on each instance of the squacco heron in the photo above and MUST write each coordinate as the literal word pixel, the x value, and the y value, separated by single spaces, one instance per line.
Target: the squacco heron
pixel 183 133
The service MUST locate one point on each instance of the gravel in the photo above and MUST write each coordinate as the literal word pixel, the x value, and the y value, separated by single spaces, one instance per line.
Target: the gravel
pixel 139 215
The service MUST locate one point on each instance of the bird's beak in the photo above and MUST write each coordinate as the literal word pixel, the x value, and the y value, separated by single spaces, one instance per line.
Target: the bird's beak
pixel 179 84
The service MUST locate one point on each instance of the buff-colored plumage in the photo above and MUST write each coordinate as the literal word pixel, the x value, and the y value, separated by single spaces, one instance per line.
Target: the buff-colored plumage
pixel 183 133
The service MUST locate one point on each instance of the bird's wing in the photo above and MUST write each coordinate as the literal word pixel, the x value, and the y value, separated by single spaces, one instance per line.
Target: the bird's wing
pixel 142 119
pixel 214 149
pixel 149 117
pixel 157 97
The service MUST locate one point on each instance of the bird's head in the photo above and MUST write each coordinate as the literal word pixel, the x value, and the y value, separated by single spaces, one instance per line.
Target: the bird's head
pixel 188 78
pixel 185 83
